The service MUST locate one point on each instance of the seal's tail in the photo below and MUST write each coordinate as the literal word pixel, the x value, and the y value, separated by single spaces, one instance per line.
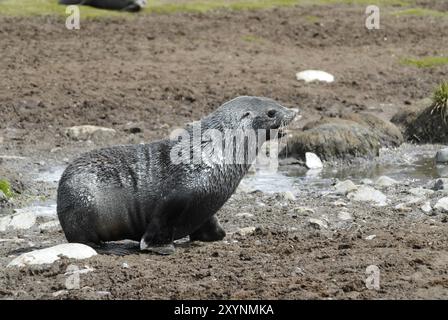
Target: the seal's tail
pixel 118 248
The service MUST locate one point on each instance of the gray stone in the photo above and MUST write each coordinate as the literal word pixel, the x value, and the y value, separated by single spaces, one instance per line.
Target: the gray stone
pixel 388 133
pixel 317 223
pixel 3 197
pixel 368 194
pixel 340 139
pixel 288 195
pixel 367 181
pixel 385 181
pixel 18 221
pixel 442 156
pixel 345 187
pixel 50 226
pixel 426 208
pixel 370 237
pixel 52 254
pixel 440 184
pixel 421 192
pixel 88 132
pixel 442 205
pixel 246 231
pixel 403 207
pixel 345 216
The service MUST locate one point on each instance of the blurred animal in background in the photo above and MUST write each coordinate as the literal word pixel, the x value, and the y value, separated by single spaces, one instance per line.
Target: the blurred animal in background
pixel 123 5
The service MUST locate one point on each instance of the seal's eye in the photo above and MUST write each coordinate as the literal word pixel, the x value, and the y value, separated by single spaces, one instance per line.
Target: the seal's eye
pixel 271 113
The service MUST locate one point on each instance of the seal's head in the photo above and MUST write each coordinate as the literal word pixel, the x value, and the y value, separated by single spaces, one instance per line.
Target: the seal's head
pixel 254 113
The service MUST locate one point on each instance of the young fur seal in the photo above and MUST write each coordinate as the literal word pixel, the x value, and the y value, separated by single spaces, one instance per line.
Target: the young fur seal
pixel 124 5
pixel 138 192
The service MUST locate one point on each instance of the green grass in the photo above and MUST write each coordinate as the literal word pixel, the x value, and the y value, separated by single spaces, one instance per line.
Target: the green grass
pixel 426 62
pixel 312 19
pixel 51 7
pixel 369 2
pixel 420 12
pixel 5 187
pixel 204 6
pixel 252 38
pixel 440 101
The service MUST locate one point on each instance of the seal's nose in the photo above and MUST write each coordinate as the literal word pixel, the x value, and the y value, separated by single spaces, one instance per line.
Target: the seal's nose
pixel 294 113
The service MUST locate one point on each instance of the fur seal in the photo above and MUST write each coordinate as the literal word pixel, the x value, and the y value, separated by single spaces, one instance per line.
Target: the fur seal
pixel 124 5
pixel 137 192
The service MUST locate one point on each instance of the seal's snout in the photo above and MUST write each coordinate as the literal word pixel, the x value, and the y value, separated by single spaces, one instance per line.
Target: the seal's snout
pixel 290 114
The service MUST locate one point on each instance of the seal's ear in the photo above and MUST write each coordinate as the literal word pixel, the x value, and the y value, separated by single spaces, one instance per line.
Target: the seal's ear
pixel 245 115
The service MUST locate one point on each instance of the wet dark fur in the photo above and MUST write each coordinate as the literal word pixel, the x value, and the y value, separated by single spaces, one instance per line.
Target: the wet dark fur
pixel 135 191
pixel 125 5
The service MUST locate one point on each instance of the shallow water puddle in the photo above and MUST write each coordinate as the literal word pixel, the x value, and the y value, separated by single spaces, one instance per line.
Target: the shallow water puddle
pixel 50 175
pixel 408 162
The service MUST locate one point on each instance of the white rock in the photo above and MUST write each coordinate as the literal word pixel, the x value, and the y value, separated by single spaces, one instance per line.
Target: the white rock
pixel 246 231
pixel 18 221
pixel 371 237
pixel 384 181
pixel 125 265
pixel 304 210
pixel 402 207
pixel 317 223
pixel 288 195
pixel 345 187
pixel 345 216
pixel 426 208
pixel 88 132
pixel 442 156
pixel 421 192
pixel 442 205
pixel 14 240
pixel 50 255
pixel 244 215
pixel 368 194
pixel 366 181
pixel 50 226
pixel 314 75
pixel 339 203
pixel 59 293
pixel 313 161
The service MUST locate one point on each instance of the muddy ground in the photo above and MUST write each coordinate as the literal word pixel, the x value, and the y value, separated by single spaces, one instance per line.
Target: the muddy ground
pixel 158 72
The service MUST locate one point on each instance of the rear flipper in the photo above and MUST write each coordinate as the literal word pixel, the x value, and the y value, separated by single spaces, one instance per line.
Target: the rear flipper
pixel 211 230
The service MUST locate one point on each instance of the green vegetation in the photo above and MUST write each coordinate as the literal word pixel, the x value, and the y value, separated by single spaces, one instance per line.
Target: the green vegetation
pixel 207 5
pixel 369 2
pixel 421 12
pixel 426 62
pixel 252 38
pixel 5 187
pixel 312 19
pixel 440 101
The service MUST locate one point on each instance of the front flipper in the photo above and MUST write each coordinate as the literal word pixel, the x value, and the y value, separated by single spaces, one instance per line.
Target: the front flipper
pixel 210 230
pixel 158 239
